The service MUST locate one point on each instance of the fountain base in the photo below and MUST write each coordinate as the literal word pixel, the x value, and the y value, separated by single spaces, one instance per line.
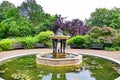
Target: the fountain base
pixel 69 60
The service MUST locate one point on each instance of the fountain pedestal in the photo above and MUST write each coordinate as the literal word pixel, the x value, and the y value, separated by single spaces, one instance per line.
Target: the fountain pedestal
pixel 59 52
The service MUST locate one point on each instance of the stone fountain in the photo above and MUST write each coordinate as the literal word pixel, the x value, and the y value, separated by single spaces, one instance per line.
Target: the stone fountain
pixel 59 57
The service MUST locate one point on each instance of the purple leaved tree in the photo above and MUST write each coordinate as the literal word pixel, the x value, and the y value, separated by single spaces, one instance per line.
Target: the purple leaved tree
pixel 75 27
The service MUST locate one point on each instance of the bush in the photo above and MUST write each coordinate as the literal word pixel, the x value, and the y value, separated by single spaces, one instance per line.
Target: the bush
pixel 44 37
pixel 108 31
pixel 116 42
pixel 6 44
pixel 110 49
pixel 70 41
pixel 97 32
pixel 76 40
pixel 87 42
pixel 28 41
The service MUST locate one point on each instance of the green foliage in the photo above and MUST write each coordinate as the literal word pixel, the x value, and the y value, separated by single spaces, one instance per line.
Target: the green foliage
pixel 103 35
pixel 27 19
pixel 110 49
pixel 106 36
pixel 28 41
pixel 116 42
pixel 34 13
pixel 12 27
pixel 31 10
pixel 5 7
pixel 87 42
pixel 20 28
pixel 77 40
pixel 105 17
pixel 44 37
pixel 70 41
pixel 2 30
pixel 6 44
pixel 97 32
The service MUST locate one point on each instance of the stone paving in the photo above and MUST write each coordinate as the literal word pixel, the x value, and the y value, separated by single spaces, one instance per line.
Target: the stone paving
pixel 112 55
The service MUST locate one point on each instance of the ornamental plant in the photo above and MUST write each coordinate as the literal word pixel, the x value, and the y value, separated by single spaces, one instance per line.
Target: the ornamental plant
pixel 44 37
pixel 6 44
pixel 76 40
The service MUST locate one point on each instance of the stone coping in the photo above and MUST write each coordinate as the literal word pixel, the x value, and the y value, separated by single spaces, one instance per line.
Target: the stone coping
pixel 108 58
pixel 14 56
pixel 76 60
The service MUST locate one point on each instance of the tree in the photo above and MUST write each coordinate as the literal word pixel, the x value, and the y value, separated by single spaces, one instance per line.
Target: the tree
pixel 21 27
pixel 105 17
pixel 75 27
pixel 5 6
pixel 28 19
pixel 32 11
pixel 36 15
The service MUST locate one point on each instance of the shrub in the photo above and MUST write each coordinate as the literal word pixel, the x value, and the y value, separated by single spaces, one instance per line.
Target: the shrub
pixel 97 32
pixel 108 31
pixel 110 49
pixel 44 37
pixel 87 42
pixel 70 41
pixel 28 41
pixel 6 44
pixel 76 40
pixel 116 42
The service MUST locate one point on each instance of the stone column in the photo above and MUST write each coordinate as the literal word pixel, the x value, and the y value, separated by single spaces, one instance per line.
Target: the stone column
pixel 61 46
pixel 55 41
pixel 64 45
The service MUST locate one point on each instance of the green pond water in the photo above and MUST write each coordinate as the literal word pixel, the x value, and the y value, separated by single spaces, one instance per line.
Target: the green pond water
pixel 25 68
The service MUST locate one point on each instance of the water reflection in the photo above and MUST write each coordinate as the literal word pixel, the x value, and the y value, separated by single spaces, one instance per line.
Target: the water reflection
pixel 84 74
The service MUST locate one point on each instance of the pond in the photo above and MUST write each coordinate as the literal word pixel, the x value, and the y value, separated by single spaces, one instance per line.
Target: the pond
pixel 25 68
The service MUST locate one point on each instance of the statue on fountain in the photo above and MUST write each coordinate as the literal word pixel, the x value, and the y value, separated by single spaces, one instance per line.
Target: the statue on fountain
pixel 59 37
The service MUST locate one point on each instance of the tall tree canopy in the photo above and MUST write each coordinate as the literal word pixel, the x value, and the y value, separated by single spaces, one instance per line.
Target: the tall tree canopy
pixel 32 11
pixel 5 7
pixel 26 19
pixel 105 17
